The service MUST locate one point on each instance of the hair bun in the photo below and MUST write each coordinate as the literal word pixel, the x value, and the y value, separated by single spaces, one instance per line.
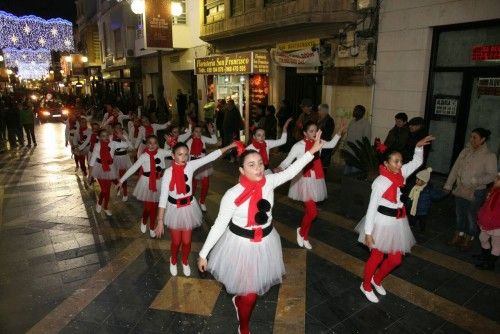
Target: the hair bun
pixel 240 147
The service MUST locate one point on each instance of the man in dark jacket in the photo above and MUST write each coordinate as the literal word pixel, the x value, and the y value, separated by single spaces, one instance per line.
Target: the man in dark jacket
pixel 327 125
pixel 417 132
pixel 398 135
pixel 307 114
pixel 232 124
pixel 182 104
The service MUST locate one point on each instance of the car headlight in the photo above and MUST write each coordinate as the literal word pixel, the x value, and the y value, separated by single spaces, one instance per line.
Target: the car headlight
pixel 45 113
pixel 65 111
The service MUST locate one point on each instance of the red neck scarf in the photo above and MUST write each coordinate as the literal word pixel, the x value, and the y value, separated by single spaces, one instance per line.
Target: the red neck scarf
pixel 171 141
pixel 114 120
pixel 149 130
pixel 178 181
pixel 105 155
pixel 262 148
pixel 253 190
pixel 397 179
pixel 115 137
pixel 82 131
pixel 152 169
pixel 136 130
pixel 314 165
pixel 196 146
pixel 93 140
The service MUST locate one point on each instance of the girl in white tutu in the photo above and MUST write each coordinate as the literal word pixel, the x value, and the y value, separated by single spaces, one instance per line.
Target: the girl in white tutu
pixel 197 149
pixel 261 145
pixel 103 169
pixel 172 138
pixel 78 139
pixel 385 228
pixel 147 189
pixel 177 201
pixel 147 129
pixel 243 249
pixel 133 129
pixel 122 160
pixel 309 186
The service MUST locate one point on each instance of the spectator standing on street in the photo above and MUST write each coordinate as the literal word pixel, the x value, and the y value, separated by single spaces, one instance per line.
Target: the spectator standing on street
pixel 398 135
pixel 326 124
pixel 182 104
pixel 307 115
pixel 150 108
pixel 270 122
pixel 162 111
pixel 14 127
pixel 219 116
pixel 209 110
pixel 284 113
pixel 28 122
pixel 474 169
pixel 418 131
pixel 3 113
pixel 192 111
pixel 358 128
pixel 232 125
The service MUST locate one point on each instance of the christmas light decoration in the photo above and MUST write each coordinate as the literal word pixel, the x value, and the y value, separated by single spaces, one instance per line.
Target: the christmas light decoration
pixel 32 32
pixel 13 57
pixel 33 70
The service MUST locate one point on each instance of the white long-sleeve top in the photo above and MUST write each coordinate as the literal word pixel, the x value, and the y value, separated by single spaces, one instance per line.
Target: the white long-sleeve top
pixel 78 140
pixel 113 145
pixel 206 141
pixel 143 161
pixel 382 183
pixel 189 169
pixel 299 148
pixel 131 137
pixel 142 132
pixel 70 131
pixel 181 139
pixel 107 116
pixel 120 140
pixel 239 214
pixel 271 143
pixel 121 117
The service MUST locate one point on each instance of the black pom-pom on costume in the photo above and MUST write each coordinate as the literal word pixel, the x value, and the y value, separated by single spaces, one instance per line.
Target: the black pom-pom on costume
pixel 186 178
pixel 188 188
pixel 263 205
pixel 157 160
pixel 158 168
pixel 261 218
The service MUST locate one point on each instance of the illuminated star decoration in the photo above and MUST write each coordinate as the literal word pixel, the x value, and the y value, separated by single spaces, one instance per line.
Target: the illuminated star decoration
pixel 14 39
pixel 27 29
pixel 53 31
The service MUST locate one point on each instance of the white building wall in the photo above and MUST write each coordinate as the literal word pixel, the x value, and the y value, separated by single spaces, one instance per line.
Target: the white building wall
pixel 404 50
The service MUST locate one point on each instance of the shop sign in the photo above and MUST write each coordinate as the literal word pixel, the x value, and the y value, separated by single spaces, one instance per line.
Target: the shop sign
pixel 488 86
pixel 237 63
pixel 486 52
pixel 260 62
pixel 259 90
pixel 299 45
pixel 445 107
pixel 157 25
pixel 301 58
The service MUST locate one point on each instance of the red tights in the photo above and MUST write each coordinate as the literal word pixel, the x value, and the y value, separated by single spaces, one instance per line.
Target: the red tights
pixel 105 192
pixel 376 258
pixel 310 213
pixel 177 237
pixel 149 211
pixel 245 305
pixel 204 188
pixel 80 162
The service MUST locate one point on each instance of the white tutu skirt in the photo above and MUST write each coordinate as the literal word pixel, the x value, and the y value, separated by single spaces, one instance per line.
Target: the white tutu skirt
pixel 98 173
pixel 307 189
pixel 389 234
pixel 142 191
pixel 184 218
pixel 247 267
pixel 204 171
pixel 122 162
pixel 85 151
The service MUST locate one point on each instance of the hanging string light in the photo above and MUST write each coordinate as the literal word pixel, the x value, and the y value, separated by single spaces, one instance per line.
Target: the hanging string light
pixel 13 56
pixel 33 70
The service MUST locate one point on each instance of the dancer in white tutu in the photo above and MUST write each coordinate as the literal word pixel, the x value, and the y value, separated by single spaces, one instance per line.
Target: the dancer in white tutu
pixel 177 201
pixel 173 137
pixel 102 167
pixel 115 117
pixel 147 189
pixel 243 248
pixel 133 130
pixel 197 149
pixel 309 186
pixel 261 145
pixel 385 228
pixel 122 160
pixel 79 137
pixel 147 129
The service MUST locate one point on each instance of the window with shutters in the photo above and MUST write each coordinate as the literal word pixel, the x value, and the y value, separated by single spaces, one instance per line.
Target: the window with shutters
pixel 214 11
pixel 239 7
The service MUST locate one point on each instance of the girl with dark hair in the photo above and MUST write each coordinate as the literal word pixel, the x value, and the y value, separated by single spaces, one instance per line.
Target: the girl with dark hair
pixel 122 159
pixel 173 137
pixel 197 149
pixel 147 129
pixel 102 167
pixel 385 228
pixel 474 169
pixel 177 201
pixel 79 137
pixel 147 189
pixel 243 249
pixel 309 187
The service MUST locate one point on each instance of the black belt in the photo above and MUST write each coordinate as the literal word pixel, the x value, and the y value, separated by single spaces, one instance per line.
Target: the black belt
pixel 181 201
pixel 99 161
pixel 144 142
pixel 398 213
pixel 158 174
pixel 170 158
pixel 121 152
pixel 250 234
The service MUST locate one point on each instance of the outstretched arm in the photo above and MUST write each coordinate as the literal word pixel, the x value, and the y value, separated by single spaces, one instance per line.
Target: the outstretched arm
pixel 131 170
pixel 418 157
pixel 195 164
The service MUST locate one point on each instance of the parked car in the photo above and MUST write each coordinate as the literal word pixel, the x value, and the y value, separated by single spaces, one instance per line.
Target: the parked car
pixel 53 111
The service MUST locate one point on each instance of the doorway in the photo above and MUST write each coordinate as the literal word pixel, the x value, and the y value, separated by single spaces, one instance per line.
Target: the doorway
pixel 300 86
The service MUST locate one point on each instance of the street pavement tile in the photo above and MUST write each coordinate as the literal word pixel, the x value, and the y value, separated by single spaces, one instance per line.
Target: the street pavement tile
pixel 369 319
pixel 422 320
pixel 81 327
pixel 125 315
pixel 157 321
pixel 96 312
pixel 401 328
pixel 314 326
pixel 486 302
pixel 183 294
pixel 460 289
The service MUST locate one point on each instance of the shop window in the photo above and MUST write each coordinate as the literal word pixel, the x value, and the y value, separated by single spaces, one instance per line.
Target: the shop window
pixel 181 19
pixel 214 11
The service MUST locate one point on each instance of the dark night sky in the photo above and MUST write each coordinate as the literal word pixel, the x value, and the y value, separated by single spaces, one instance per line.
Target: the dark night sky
pixel 44 8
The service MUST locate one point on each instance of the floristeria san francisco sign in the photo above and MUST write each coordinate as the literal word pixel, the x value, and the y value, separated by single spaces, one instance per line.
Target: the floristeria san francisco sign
pixel 235 63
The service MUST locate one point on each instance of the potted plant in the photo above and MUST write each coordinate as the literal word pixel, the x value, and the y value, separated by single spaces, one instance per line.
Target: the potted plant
pixel 356 187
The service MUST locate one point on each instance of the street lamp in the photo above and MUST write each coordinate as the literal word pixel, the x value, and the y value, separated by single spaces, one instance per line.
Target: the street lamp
pixel 9 71
pixel 68 59
pixel 176 9
pixel 85 59
pixel 137 6
pixel 1 58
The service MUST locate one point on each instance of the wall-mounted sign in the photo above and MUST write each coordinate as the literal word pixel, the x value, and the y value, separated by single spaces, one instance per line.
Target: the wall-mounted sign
pixel 299 45
pixel 488 86
pixel 445 107
pixel 301 58
pixel 157 25
pixel 486 52
pixel 235 63
pixel 259 90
